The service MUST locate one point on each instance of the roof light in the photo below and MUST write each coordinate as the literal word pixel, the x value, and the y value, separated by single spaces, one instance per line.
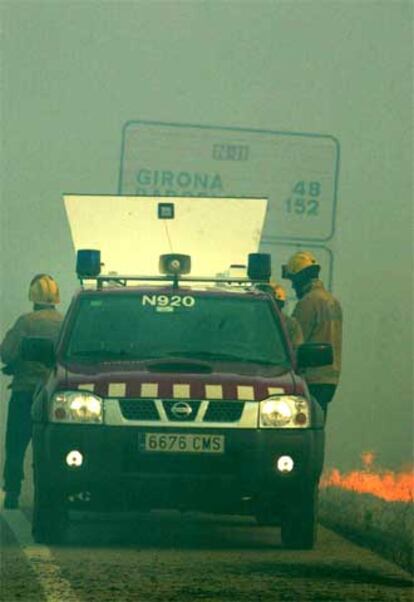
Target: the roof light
pixel 88 263
pixel 174 264
pixel 259 266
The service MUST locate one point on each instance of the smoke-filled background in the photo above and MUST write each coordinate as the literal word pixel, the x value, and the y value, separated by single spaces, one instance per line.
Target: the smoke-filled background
pixel 73 73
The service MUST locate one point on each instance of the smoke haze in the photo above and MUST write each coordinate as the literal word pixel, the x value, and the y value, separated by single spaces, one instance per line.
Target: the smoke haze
pixel 74 73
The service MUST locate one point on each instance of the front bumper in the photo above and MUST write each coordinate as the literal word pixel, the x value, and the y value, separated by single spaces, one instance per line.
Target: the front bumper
pixel 118 473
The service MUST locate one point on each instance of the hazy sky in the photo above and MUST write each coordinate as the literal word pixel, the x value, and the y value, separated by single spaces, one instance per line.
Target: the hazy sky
pixel 74 72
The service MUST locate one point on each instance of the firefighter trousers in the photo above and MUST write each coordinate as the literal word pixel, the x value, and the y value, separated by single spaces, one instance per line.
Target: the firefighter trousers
pixel 18 435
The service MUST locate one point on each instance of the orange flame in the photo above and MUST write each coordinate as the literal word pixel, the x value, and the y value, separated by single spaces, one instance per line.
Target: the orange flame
pixel 385 484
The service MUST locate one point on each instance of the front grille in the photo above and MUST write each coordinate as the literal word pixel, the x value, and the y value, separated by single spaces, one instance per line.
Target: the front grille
pixel 224 411
pixel 138 409
pixel 146 410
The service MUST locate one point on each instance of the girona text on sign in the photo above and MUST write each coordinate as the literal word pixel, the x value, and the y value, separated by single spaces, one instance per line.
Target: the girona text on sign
pixel 155 182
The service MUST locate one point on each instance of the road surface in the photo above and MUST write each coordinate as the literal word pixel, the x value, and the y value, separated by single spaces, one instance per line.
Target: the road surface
pixel 168 556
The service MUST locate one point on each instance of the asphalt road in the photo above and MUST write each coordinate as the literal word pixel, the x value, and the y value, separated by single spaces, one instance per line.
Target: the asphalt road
pixel 168 556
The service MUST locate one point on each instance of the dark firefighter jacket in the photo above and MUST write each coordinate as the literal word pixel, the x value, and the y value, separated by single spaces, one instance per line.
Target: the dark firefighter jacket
pixel 44 322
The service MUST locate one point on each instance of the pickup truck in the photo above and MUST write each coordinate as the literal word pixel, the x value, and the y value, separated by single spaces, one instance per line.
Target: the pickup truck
pixel 173 392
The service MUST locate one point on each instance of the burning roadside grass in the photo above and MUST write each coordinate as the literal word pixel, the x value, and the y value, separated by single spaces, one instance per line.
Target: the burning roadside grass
pixel 385 484
pixel 373 507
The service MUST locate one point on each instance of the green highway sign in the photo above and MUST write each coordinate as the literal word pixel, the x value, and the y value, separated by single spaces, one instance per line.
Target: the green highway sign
pixel 298 173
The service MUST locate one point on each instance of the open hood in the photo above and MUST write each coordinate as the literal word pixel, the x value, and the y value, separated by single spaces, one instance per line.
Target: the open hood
pixel 216 232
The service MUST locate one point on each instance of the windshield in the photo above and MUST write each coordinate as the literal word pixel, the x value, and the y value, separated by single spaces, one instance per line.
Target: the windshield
pixel 158 326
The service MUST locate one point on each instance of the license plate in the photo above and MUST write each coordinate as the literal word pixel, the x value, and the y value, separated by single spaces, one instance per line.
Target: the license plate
pixel 193 444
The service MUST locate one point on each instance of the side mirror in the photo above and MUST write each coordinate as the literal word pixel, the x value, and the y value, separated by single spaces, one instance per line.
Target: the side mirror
pixel 38 349
pixel 311 355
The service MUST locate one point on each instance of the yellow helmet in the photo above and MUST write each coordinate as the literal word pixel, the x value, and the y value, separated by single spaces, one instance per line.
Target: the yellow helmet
pixel 298 262
pixel 278 291
pixel 44 290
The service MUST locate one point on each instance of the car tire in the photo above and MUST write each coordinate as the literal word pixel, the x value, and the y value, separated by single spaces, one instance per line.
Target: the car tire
pixel 299 521
pixel 50 514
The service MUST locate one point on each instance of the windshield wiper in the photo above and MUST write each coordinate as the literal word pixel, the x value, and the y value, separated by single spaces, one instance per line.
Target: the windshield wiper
pixel 220 356
pixel 103 353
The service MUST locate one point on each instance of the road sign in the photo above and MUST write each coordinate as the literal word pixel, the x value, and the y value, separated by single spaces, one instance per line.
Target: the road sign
pixel 298 173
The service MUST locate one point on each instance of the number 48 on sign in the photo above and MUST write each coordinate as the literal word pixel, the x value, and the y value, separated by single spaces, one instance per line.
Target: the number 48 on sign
pixel 304 200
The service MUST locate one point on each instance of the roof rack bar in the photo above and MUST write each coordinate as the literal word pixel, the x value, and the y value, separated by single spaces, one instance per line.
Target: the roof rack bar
pixel 121 278
pixel 115 277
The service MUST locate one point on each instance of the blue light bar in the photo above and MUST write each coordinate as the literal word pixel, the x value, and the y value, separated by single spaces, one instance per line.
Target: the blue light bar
pixel 259 266
pixel 88 263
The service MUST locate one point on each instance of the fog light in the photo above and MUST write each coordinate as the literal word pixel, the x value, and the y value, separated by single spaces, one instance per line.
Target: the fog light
pixel 285 464
pixel 74 458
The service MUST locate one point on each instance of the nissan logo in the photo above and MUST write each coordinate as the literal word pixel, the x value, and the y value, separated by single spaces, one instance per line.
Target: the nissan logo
pixel 181 409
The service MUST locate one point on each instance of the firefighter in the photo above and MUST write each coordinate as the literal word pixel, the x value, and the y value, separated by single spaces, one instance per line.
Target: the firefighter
pixel 292 325
pixel 320 315
pixel 43 321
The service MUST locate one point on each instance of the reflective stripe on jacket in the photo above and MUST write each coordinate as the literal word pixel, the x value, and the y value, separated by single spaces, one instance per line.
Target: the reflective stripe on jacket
pixel 320 316
pixel 45 322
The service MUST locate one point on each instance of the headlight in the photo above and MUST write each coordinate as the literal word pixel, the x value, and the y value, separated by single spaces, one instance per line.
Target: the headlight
pixel 76 406
pixel 284 411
